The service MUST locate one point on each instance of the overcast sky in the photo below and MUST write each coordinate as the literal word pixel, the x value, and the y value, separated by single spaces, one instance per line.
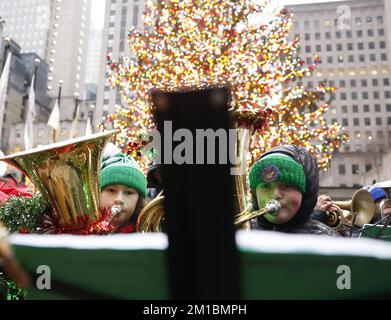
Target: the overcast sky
pixel 98 8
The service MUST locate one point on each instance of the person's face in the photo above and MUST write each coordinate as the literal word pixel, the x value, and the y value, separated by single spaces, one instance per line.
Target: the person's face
pixel 119 195
pixel 384 207
pixel 289 197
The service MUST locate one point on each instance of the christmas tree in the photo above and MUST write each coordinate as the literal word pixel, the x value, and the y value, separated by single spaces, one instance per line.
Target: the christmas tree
pixel 193 43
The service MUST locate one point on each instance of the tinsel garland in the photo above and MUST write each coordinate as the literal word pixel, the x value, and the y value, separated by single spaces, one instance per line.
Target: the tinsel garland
pixel 23 215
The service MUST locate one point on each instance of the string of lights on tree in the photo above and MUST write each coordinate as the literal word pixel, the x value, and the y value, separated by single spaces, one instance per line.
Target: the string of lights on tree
pixel 246 43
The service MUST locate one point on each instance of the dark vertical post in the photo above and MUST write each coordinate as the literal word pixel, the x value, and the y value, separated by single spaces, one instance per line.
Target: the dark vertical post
pixel 203 261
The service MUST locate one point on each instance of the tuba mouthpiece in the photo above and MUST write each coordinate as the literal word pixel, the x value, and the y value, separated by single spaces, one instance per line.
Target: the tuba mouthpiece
pixel 115 209
pixel 273 207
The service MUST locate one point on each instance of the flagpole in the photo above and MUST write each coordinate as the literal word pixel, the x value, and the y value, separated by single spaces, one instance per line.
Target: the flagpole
pixel 75 117
pixel 54 133
pixel 30 110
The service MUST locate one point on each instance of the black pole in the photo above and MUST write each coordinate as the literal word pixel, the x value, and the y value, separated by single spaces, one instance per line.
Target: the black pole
pixel 59 93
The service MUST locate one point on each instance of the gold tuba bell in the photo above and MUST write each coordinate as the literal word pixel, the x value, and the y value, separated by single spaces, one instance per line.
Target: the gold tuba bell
pixel 359 210
pixel 151 217
pixel 66 173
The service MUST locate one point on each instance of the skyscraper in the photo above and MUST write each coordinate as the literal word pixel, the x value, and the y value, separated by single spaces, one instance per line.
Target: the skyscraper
pixel 353 42
pixel 120 16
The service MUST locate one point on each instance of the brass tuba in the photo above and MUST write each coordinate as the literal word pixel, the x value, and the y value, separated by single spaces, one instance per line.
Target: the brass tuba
pixel 67 175
pixel 359 210
pixel 151 217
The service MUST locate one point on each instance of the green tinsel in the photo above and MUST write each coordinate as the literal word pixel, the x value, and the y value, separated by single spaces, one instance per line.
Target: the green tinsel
pixel 25 215
pixel 9 290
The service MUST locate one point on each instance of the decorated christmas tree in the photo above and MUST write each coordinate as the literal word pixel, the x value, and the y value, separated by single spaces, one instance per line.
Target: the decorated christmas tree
pixel 245 43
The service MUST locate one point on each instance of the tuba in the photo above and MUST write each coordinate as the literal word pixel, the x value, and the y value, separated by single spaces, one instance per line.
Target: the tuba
pixel 359 210
pixel 151 218
pixel 66 173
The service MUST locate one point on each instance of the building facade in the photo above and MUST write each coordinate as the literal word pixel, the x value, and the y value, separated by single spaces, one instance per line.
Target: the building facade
pixel 22 68
pixel 352 39
pixel 120 16
pixel 58 31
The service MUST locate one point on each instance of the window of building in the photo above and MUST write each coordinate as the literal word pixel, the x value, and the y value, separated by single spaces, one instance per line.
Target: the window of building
pixel 368 167
pixel 371 45
pixel 388 107
pixel 338 34
pixel 378 121
pixel 357 134
pixel 377 107
pixel 350 46
pixel 354 95
pixel 351 58
pixel 363 71
pixel 367 121
pixel 368 19
pixel 341 72
pixel 374 71
pixel 342 83
pixel 383 57
pixel 380 134
pixel 343 95
pixel 372 57
pixel 376 95
pixel 329 59
pixel 382 44
pixel 355 169
pixel 380 19
pixel 340 58
pixel 307 36
pixel 385 70
pixel 318 48
pixel 386 81
pixel 370 32
pixel 328 35
pixel 328 47
pixel 387 94
pixel 360 46
pixel 344 109
pixel 345 122
pixel 361 57
pixel 359 33
pixel 381 32
pixel 389 121
pixel 307 49
pixel 356 121
pixel 339 46
pixel 366 107
pixel 355 108
pixel 341 169
pixel 317 36
pixel 352 72
pixel 364 83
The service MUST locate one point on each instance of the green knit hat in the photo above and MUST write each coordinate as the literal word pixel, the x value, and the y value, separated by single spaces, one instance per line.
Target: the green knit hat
pixel 277 167
pixel 123 169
